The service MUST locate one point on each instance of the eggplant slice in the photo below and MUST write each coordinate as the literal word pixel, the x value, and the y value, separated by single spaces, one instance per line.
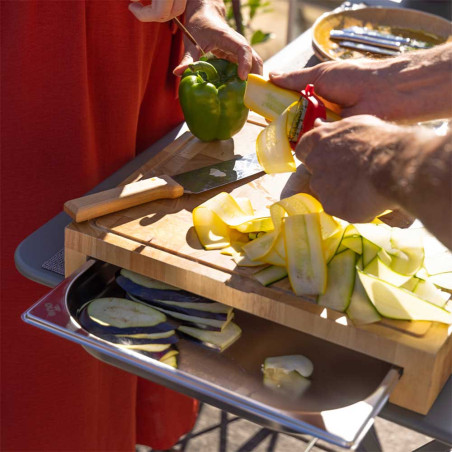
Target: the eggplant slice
pixel 139 323
pixel 214 324
pixel 130 325
pixel 150 294
pixel 121 316
pixel 217 340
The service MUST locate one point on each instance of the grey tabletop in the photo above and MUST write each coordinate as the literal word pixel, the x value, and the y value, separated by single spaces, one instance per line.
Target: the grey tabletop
pixel 39 257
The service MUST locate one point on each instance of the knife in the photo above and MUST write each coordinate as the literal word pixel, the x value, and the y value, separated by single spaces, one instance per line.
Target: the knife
pixel 163 187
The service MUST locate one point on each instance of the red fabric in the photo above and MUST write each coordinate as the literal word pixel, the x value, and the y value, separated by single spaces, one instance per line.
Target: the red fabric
pixel 84 86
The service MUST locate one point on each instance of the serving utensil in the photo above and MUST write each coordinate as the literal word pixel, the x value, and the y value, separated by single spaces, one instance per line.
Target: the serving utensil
pixel 368 48
pixel 380 38
pixel 374 41
pixel 428 28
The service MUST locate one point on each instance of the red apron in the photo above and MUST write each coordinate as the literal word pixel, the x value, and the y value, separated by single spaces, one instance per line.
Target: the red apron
pixel 84 87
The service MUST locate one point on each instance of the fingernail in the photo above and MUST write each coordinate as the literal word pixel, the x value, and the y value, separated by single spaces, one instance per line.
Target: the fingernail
pixel 274 74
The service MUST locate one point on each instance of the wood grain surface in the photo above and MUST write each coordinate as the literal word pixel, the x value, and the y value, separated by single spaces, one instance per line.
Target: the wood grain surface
pixel 157 239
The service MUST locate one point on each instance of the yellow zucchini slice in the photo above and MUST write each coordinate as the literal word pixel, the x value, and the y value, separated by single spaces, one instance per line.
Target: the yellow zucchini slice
pixel 273 148
pixel 304 254
pixel 266 99
pixel 256 225
pixel 213 233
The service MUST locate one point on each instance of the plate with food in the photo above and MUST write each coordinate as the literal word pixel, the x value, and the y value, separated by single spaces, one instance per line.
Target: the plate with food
pixel 376 32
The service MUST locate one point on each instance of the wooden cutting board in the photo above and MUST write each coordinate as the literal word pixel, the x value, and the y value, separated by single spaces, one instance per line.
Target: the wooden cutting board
pixel 157 239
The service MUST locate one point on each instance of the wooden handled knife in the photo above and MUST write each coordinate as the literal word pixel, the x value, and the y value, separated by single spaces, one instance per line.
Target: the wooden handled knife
pixel 162 187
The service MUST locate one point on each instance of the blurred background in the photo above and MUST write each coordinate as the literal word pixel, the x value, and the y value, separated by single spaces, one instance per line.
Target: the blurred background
pixel 271 24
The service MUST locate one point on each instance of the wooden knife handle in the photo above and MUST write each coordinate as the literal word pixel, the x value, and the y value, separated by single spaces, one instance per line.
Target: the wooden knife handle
pixel 118 198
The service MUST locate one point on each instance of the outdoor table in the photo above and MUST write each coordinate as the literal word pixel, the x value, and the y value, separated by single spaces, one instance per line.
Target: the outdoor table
pixel 39 257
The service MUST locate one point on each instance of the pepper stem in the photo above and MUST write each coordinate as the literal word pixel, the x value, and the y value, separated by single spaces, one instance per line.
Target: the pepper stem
pixel 207 68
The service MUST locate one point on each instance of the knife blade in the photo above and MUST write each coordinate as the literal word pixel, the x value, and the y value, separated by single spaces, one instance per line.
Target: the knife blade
pixel 163 187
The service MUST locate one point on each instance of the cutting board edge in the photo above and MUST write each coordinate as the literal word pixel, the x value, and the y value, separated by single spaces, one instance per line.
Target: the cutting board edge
pixel 420 386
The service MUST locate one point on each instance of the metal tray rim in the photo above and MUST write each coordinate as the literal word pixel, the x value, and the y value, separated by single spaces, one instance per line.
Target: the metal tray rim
pixel 196 386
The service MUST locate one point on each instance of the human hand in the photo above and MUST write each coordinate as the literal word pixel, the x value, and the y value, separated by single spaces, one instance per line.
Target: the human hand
pixel 206 22
pixel 157 10
pixel 345 158
pixel 408 88
pixel 352 85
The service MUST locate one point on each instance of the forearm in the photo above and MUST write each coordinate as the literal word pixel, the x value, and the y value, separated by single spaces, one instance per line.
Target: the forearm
pixel 418 177
pixel 412 87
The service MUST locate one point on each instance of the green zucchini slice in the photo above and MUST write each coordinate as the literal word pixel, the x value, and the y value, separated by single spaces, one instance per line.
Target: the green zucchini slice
pixel 396 303
pixel 341 273
pixel 270 275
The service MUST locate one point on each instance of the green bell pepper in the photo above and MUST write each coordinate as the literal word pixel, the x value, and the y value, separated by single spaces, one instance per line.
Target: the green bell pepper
pixel 211 96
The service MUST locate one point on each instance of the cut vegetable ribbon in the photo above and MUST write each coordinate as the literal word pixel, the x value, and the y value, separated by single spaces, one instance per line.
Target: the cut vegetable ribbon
pixel 270 248
pixel 304 254
pixel 273 147
pixel 219 222
pixel 369 270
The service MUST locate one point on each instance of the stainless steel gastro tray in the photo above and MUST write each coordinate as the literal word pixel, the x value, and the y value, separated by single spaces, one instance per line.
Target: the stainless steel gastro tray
pixel 348 389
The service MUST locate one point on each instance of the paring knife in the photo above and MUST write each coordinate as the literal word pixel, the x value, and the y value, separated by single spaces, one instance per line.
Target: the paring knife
pixel 163 187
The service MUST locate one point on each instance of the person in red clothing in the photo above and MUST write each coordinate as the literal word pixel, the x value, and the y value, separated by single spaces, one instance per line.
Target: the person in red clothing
pixel 85 86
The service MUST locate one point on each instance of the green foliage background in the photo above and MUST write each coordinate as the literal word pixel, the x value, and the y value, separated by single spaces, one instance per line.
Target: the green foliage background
pixel 240 15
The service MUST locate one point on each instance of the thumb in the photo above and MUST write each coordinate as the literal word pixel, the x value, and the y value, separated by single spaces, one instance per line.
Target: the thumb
pixel 186 60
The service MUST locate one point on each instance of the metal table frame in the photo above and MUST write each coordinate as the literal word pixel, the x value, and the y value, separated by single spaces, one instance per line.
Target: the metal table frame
pixel 48 240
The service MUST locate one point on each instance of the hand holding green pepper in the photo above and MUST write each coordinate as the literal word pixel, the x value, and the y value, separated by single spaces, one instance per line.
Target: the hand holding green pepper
pixel 211 96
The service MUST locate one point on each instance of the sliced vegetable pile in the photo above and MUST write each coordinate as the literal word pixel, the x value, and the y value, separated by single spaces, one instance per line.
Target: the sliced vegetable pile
pixel 368 271
pixel 131 326
pixel 153 316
